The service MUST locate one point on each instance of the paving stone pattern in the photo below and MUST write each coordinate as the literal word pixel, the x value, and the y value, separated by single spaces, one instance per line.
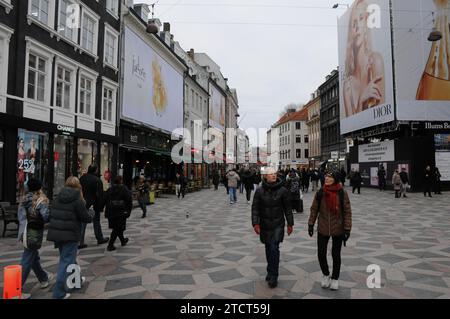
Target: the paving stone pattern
pixel 215 254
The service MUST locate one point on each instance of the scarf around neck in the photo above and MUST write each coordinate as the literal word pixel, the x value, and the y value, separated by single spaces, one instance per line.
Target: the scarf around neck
pixel 331 197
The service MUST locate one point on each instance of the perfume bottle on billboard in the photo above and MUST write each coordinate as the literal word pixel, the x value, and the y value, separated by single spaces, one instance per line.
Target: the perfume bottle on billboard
pixel 435 82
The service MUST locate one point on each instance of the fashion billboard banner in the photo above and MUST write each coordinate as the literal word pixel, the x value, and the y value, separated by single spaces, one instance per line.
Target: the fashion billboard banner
pixel 152 88
pixel 217 109
pixel 365 66
pixel 422 59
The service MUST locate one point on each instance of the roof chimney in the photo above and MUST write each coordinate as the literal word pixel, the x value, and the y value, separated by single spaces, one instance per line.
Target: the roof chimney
pixel 191 53
pixel 142 10
pixel 166 27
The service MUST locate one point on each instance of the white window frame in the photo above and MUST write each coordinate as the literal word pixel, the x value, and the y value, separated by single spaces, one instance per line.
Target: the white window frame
pixel 32 48
pixel 5 37
pixel 108 84
pixel 109 29
pixel 74 40
pixel 73 68
pixel 7 4
pixel 83 73
pixel 50 25
pixel 115 11
pixel 86 12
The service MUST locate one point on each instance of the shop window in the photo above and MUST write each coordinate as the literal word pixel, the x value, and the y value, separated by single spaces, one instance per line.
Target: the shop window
pixel 63 150
pixel 106 154
pixel 32 159
pixel 87 153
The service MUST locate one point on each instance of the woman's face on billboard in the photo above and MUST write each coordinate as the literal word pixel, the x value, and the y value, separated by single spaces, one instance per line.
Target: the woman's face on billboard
pixel 359 24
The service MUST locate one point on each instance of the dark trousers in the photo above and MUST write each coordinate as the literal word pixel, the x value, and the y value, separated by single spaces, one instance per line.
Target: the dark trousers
pixel 97 229
pixel 322 246
pixel 248 193
pixel 216 187
pixel 143 206
pixel 437 187
pixel 382 184
pixel 397 193
pixel 273 258
pixel 356 188
pixel 114 234
pixel 426 190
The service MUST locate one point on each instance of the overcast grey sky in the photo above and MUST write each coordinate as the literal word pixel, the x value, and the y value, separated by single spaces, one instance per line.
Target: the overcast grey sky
pixel 274 52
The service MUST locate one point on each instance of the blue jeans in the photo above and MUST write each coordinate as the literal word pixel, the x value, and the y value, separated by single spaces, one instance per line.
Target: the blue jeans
pixel 273 258
pixel 31 260
pixel 233 197
pixel 67 256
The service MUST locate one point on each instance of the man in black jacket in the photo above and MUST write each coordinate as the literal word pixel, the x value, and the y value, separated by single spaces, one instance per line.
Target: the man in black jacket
pixel 93 194
pixel 405 182
pixel 271 206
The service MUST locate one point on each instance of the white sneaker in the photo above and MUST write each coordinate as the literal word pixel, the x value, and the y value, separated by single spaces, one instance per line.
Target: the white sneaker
pixel 25 296
pixel 334 284
pixel 326 281
pixel 45 284
pixel 67 296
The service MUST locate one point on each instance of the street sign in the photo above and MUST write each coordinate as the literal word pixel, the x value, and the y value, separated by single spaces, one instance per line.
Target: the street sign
pixel 335 155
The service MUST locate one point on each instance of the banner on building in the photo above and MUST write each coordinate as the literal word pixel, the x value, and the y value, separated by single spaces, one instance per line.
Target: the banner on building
pixel 422 63
pixel 365 66
pixel 442 147
pixel 376 152
pixel 152 87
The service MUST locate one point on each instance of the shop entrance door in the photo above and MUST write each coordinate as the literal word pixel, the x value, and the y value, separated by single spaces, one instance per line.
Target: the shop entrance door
pixel 63 153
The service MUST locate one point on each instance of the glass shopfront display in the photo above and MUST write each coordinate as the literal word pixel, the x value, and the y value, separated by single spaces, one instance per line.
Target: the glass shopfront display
pixel 63 150
pixel 87 153
pixel 106 154
pixel 32 159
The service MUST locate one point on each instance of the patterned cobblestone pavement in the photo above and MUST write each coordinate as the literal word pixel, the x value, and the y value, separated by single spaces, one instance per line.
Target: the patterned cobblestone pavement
pixel 215 254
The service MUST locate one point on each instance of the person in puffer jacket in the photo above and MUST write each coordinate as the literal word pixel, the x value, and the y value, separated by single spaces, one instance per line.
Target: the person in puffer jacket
pixel 271 207
pixel 334 216
pixel 66 217
pixel 33 214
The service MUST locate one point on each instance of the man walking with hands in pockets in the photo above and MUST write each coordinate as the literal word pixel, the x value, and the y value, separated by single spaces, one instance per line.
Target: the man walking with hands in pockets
pixel 271 207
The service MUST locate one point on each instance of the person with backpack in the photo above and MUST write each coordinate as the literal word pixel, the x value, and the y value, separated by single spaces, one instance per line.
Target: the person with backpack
pixel 293 186
pixel 305 177
pixel 233 179
pixel 315 180
pixel 93 195
pixel 143 195
pixel 397 183
pixel 67 215
pixel 428 179
pixel 119 204
pixel 355 181
pixel 437 181
pixel 33 214
pixel 180 185
pixel 405 182
pixel 331 207
pixel 271 209
pixel 382 178
pixel 247 181
pixel 216 180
